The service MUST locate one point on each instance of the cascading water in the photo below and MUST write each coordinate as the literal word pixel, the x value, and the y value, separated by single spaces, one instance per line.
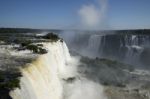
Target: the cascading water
pixel 135 46
pixel 41 78
pixel 126 46
pixel 44 78
pixel 91 47
pixel 94 44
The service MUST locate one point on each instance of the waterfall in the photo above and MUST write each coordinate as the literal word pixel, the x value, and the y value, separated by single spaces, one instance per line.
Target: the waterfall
pixel 94 44
pixel 135 46
pixel 41 78
pixel 123 47
pixel 46 77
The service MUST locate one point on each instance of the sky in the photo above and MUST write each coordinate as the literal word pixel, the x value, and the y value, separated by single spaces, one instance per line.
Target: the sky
pixel 75 14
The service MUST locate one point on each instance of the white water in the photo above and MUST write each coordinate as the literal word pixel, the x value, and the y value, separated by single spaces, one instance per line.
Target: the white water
pixel 84 89
pixel 42 79
pixel 94 43
pixel 93 48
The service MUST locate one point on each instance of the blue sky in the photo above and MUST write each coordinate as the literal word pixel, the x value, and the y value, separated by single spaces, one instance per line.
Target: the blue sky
pixel 63 14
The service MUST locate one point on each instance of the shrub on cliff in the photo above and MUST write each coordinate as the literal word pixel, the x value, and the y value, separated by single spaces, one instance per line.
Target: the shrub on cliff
pixel 42 51
pixel 51 36
pixel 9 80
pixel 36 49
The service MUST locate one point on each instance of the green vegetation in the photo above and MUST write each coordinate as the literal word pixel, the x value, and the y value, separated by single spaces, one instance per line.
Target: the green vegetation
pixel 28 44
pixel 107 61
pixel 107 72
pixel 42 51
pixel 21 36
pixel 52 37
pixel 9 80
pixel 25 42
pixel 10 85
pixel 19 30
pixel 116 64
pixel 26 30
pixel 134 32
pixel 117 84
pixel 36 49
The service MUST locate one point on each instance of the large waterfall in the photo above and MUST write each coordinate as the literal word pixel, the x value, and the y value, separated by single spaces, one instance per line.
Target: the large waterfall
pixel 45 77
pixel 41 79
pixel 128 46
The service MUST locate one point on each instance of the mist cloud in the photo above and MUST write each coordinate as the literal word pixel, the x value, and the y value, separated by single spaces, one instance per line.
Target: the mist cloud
pixel 92 16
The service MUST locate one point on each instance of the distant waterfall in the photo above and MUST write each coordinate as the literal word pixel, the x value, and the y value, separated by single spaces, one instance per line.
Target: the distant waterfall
pixel 136 40
pixel 126 47
pixel 94 44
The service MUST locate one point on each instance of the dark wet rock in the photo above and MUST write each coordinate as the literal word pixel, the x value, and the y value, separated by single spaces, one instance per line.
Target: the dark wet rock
pixel 70 80
pixel 9 80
